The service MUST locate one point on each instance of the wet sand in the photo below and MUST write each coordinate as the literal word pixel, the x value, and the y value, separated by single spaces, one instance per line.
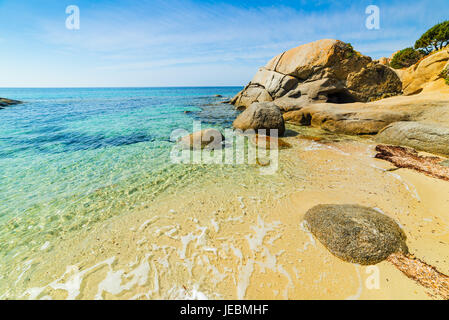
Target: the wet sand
pixel 227 238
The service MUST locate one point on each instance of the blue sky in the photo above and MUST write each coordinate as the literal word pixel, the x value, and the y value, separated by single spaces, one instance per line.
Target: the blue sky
pixel 187 43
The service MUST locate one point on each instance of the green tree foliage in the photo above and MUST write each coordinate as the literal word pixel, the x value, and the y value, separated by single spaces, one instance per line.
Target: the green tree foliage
pixel 445 75
pixel 435 38
pixel 405 58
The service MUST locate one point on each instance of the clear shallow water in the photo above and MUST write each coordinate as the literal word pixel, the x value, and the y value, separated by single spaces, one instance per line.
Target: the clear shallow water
pixel 72 157
pixel 91 206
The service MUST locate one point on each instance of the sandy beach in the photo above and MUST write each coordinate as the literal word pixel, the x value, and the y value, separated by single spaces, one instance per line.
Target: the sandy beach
pixel 230 239
pixel 224 151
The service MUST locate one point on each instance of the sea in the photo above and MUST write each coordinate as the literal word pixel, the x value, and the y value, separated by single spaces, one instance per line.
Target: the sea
pixel 70 158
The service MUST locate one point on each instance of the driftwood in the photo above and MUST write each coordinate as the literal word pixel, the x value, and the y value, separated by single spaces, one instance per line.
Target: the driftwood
pixel 424 274
pixel 408 158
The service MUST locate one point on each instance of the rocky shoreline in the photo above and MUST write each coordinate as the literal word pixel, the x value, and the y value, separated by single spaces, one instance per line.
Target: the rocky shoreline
pixel 8 102
pixel 327 84
pixel 254 243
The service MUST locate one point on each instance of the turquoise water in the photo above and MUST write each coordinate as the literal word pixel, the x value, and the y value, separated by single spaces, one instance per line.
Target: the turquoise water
pixel 72 157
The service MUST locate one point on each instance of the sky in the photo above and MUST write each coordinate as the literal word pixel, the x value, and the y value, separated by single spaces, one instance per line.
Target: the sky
pixel 153 43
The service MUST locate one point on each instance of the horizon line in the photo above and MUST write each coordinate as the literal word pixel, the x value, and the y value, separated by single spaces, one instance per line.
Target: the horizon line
pixel 122 87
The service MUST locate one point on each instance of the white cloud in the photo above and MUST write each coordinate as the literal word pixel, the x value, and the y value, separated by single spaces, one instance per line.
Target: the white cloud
pixel 166 36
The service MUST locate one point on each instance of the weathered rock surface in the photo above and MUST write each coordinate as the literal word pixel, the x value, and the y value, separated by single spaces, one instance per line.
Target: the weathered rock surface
pixel 322 71
pixel 373 82
pixel 261 116
pixel 426 74
pixel 385 61
pixel 370 118
pixel 207 138
pixel 251 94
pixel 8 102
pixel 421 136
pixel 340 119
pixel 355 233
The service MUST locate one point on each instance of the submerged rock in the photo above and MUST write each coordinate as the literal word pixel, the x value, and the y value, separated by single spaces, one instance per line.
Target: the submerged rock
pixel 322 71
pixel 207 138
pixel 355 233
pixel 261 116
pixel 267 142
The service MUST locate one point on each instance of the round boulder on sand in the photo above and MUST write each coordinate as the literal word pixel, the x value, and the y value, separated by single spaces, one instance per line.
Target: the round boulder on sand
pixel 355 233
pixel 207 138
pixel 263 115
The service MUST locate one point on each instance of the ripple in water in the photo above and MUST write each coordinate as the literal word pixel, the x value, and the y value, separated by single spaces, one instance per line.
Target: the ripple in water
pixel 74 157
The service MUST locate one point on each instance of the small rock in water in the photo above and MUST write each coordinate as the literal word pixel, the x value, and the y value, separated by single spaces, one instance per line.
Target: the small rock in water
pixel 267 142
pixel 207 138
pixel 8 102
pixel 312 138
pixel 261 116
pixel 355 233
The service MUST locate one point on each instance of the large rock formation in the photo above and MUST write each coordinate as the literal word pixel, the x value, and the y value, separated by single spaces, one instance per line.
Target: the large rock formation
pixel 370 118
pixel 426 74
pixel 356 234
pixel 264 115
pixel 322 71
pixel 327 84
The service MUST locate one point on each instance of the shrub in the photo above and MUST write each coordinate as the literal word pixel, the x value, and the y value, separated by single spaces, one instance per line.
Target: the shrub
pixel 435 38
pixel 445 75
pixel 405 58
pixel 350 51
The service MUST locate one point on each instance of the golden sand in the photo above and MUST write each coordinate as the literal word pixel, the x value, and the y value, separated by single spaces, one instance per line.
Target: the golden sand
pixel 231 239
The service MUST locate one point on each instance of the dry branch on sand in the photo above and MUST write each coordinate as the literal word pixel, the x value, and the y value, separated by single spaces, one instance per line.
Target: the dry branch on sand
pixel 422 273
pixel 409 158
